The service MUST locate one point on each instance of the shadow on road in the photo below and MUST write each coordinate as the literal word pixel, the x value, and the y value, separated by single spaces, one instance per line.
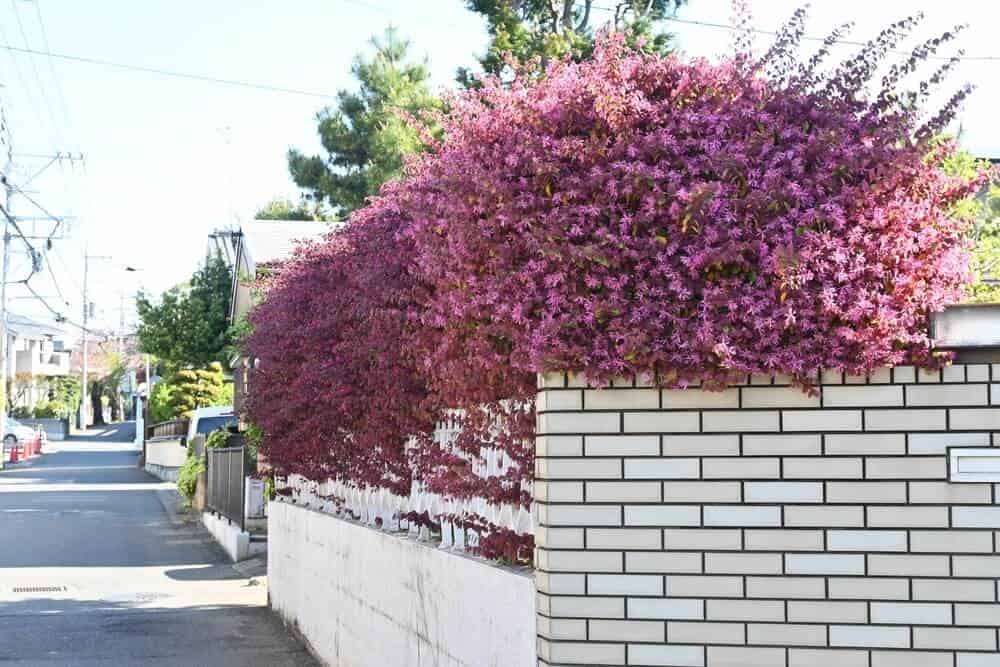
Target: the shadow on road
pixel 121 432
pixel 89 632
pixel 217 572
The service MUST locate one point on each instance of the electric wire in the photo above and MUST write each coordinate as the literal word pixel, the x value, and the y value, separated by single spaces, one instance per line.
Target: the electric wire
pixel 65 267
pixel 55 218
pixel 171 73
pixel 64 108
pixel 58 315
pixel 56 133
pixel 55 282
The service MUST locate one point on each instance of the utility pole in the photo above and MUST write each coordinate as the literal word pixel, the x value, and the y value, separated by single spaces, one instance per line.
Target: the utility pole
pixel 5 139
pixel 86 310
pixel 86 318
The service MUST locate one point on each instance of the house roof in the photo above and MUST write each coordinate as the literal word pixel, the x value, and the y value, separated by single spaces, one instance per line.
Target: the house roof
pixel 26 327
pixel 267 243
pixel 270 241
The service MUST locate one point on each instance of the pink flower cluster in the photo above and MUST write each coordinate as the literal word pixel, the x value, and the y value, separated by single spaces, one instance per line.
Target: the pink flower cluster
pixel 630 214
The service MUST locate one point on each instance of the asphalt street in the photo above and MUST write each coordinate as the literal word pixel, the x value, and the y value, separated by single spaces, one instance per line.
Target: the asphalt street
pixel 94 571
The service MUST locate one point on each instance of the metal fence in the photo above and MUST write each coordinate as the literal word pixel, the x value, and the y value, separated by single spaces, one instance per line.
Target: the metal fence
pixel 226 476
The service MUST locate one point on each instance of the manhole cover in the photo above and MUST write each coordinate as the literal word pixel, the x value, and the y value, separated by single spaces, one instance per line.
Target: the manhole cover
pixel 39 589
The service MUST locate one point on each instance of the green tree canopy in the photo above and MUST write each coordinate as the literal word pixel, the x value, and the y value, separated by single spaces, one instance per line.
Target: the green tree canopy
pixel 554 28
pixel 193 388
pixel 286 209
pixel 984 212
pixel 986 257
pixel 366 134
pixel 189 324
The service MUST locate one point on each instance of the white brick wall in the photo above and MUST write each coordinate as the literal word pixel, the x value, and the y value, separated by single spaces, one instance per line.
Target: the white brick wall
pixel 762 526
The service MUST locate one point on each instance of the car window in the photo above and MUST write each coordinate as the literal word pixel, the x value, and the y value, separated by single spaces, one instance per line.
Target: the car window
pixel 208 424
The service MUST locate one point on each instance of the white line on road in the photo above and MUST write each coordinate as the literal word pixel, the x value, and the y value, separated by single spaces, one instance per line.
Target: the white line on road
pixel 64 488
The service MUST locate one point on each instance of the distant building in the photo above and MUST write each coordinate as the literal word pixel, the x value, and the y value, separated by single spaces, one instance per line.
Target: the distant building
pixel 37 352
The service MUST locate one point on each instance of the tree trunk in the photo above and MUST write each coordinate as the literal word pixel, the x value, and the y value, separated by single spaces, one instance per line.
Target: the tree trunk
pixel 96 392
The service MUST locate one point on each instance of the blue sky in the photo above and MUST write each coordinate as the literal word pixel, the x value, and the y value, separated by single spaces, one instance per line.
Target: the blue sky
pixel 170 159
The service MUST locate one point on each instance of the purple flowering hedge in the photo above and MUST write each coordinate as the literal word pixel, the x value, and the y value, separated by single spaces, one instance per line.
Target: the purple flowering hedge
pixel 630 214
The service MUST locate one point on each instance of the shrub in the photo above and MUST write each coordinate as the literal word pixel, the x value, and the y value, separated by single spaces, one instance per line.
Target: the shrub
pixel 217 438
pixel 631 214
pixel 337 381
pixel 160 409
pixel 50 410
pixel 694 220
pixel 187 476
pixel 193 388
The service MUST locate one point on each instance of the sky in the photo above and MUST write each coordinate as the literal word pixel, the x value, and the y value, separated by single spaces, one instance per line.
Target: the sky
pixel 167 160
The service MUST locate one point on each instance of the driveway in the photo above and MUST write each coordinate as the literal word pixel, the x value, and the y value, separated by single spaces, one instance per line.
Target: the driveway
pixel 93 571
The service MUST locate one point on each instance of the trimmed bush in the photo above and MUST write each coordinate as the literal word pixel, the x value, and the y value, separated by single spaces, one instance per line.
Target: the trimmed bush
pixel 629 215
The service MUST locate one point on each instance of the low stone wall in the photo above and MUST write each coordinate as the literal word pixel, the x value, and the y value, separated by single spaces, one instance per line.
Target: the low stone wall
pixel 362 597
pixel 762 526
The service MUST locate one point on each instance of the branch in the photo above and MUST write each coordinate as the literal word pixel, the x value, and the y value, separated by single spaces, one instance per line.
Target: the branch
pixel 567 14
pixel 554 14
pixel 585 20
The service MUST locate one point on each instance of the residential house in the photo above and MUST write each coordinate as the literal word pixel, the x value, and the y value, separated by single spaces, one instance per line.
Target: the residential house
pixel 262 246
pixel 37 352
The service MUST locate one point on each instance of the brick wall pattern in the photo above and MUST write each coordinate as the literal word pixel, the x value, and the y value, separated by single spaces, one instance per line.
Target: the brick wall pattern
pixel 760 526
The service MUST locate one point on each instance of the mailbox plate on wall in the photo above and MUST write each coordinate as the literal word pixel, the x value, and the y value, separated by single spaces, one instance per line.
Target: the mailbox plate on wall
pixel 967 327
pixel 974 464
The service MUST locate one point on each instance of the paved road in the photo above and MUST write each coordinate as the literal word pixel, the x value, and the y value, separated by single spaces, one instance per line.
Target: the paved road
pixel 93 571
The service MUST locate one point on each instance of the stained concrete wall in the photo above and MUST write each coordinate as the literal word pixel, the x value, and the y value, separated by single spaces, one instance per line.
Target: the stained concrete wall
pixel 362 597
pixel 166 452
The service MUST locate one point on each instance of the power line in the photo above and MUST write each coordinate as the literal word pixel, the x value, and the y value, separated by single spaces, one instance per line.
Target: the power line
pixel 171 73
pixel 52 70
pixel 57 135
pixel 58 315
pixel 17 228
pixel 72 280
pixel 20 75
pixel 52 274
pixel 56 219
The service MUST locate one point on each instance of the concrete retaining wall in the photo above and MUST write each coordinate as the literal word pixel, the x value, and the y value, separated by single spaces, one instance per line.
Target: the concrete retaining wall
pixel 55 429
pixel 162 472
pixel 167 452
pixel 234 541
pixel 361 597
pixel 762 526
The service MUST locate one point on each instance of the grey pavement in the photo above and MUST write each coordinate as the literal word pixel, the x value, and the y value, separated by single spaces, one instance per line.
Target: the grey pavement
pixel 94 572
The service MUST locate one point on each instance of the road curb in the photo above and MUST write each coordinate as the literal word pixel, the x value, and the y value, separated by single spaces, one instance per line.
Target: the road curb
pixel 173 505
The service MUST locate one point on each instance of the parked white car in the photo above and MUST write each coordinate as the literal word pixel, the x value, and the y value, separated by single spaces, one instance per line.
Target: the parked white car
pixel 15 432
pixel 205 420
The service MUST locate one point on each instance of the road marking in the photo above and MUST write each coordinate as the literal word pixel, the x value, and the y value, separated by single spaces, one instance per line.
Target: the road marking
pixel 74 488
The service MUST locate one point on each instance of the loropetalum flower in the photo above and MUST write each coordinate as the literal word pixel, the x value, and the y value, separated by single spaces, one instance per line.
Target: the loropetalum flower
pixel 634 213
pixel 627 215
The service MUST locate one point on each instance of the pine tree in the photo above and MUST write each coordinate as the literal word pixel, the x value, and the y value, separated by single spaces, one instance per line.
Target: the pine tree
pixel 553 28
pixel 366 135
